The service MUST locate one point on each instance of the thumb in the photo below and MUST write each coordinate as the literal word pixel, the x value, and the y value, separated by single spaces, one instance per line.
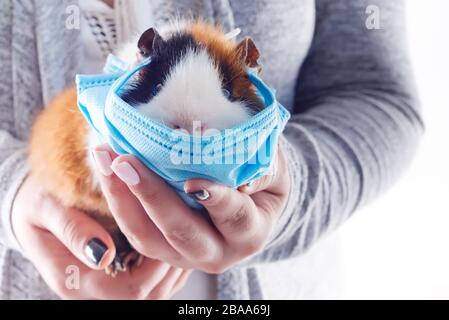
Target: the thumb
pixel 82 235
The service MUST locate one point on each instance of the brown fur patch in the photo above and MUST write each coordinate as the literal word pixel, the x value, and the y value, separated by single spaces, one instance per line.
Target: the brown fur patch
pixel 226 53
pixel 57 157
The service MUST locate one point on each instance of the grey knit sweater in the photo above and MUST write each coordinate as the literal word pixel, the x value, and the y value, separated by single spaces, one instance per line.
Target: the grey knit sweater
pixel 355 119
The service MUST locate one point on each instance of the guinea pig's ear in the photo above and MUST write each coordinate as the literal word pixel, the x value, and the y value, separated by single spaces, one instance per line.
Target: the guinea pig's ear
pixel 148 42
pixel 249 53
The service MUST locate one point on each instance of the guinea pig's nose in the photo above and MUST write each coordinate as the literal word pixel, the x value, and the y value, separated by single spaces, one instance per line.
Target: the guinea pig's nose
pixel 192 128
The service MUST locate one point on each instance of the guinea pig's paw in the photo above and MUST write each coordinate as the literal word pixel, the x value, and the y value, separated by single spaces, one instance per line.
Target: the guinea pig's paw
pixel 131 260
pixel 126 257
pixel 123 262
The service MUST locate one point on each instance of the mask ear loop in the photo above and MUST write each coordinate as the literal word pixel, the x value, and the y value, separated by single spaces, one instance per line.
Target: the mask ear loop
pixel 114 65
pixel 233 33
pixel 125 77
pixel 269 96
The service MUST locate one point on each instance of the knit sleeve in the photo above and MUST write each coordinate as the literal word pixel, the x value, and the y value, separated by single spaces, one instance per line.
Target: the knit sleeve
pixel 13 146
pixel 356 124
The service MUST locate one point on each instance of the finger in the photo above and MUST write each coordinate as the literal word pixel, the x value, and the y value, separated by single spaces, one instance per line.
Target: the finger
pixel 81 234
pixel 272 200
pixel 163 289
pixel 180 283
pixel 59 268
pixel 71 279
pixel 129 214
pixel 186 231
pixel 264 182
pixel 233 212
pixel 260 184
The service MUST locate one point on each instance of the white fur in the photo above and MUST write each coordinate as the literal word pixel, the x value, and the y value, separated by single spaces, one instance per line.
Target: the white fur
pixel 193 92
pixel 128 52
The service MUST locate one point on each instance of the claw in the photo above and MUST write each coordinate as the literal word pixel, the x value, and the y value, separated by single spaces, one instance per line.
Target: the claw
pixel 139 260
pixel 131 259
pixel 123 262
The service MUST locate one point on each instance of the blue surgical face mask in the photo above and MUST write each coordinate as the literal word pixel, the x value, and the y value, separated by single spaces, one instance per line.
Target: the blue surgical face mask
pixel 232 157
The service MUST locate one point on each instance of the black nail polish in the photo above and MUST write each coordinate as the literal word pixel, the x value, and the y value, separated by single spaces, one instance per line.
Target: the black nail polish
pixel 95 250
pixel 200 195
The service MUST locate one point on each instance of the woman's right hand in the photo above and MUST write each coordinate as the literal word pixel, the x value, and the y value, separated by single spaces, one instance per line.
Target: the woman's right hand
pixel 58 241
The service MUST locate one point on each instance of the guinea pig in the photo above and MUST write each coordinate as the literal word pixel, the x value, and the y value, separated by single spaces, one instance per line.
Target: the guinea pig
pixel 197 73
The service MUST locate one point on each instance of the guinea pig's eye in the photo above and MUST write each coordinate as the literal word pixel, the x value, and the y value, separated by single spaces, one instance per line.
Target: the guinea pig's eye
pixel 157 88
pixel 226 93
pixel 144 53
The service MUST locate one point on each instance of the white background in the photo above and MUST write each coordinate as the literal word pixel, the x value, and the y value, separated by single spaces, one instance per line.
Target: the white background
pixel 398 247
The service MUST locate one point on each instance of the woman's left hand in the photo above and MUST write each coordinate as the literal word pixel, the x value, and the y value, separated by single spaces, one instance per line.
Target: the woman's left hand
pixel 159 225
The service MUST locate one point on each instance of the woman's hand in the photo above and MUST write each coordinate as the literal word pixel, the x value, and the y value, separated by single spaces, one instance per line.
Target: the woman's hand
pixel 56 239
pixel 158 224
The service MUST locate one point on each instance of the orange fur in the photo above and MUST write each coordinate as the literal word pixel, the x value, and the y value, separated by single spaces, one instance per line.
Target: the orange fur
pixel 57 156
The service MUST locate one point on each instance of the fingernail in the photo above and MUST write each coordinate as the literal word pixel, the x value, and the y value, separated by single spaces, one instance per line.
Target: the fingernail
pixel 95 250
pixel 200 195
pixel 103 161
pixel 126 173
